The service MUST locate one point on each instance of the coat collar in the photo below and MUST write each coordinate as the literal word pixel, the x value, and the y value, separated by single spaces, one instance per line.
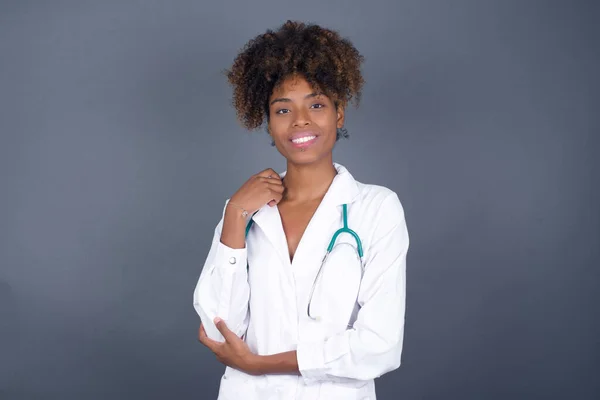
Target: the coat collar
pixel 343 190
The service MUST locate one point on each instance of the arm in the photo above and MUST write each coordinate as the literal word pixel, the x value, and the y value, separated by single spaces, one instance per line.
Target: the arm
pixel 282 363
pixel 374 345
pixel 222 289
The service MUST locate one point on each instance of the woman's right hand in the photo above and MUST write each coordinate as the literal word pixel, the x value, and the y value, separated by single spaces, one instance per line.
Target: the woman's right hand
pixel 263 188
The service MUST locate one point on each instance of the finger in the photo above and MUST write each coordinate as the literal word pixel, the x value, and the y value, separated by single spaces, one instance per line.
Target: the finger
pixel 274 180
pixel 277 195
pixel 202 336
pixel 222 327
pixel 276 187
pixel 275 201
pixel 202 332
pixel 205 340
pixel 268 172
pixel 212 345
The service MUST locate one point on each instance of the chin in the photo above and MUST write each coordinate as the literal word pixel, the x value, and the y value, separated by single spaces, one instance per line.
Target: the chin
pixel 306 158
pixel 312 154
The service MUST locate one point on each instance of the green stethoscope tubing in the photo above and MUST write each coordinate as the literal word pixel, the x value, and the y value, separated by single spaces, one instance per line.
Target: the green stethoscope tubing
pixel 345 229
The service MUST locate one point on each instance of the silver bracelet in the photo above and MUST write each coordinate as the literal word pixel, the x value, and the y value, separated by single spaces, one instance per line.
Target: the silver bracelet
pixel 244 212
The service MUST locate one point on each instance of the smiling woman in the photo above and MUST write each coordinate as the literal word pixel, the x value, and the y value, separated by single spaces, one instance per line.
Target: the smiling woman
pixel 323 255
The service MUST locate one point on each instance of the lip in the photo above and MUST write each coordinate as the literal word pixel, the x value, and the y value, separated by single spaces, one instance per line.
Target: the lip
pixel 302 134
pixel 299 135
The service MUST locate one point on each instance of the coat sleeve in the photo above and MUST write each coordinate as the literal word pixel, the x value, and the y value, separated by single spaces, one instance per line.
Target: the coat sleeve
pixel 373 346
pixel 222 289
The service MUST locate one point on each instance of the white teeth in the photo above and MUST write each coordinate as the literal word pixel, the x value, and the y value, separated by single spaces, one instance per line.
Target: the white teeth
pixel 303 139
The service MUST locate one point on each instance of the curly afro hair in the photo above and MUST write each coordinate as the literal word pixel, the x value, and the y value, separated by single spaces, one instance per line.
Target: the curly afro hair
pixel 328 62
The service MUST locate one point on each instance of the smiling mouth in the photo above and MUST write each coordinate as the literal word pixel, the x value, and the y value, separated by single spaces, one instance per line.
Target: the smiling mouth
pixel 304 139
pixel 304 142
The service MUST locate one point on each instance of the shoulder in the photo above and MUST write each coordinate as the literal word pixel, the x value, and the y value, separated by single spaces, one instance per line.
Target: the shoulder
pixel 376 204
pixel 383 200
pixel 379 218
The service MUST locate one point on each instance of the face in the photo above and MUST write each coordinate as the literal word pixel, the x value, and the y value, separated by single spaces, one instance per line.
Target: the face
pixel 302 122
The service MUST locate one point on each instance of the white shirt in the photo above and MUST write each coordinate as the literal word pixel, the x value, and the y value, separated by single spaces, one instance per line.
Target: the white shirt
pixel 263 297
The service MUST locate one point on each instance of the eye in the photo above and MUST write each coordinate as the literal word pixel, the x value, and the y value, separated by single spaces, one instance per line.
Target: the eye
pixel 282 111
pixel 317 105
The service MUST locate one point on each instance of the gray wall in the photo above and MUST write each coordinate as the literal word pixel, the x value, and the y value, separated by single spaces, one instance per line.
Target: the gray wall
pixel 118 147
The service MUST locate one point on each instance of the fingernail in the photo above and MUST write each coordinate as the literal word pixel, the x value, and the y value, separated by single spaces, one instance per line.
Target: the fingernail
pixel 217 320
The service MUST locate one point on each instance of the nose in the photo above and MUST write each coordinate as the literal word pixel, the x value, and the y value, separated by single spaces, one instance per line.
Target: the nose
pixel 301 119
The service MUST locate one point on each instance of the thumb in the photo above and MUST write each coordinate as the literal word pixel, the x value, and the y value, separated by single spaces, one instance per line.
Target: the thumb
pixel 222 327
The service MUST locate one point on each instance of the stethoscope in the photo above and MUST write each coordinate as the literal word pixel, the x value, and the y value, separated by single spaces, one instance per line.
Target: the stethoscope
pixel 332 243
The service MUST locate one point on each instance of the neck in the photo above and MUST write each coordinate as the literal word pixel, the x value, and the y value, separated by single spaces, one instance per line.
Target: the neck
pixel 305 183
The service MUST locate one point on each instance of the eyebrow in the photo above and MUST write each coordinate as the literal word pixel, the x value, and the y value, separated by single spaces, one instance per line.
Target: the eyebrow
pixel 286 100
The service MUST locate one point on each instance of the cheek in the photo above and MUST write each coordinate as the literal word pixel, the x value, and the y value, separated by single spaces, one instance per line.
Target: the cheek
pixel 327 120
pixel 276 128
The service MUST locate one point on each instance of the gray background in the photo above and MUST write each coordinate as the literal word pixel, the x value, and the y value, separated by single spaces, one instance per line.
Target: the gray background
pixel 119 146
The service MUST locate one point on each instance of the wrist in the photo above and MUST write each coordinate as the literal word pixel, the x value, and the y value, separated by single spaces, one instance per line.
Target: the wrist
pixel 241 209
pixel 234 228
pixel 254 364
pixel 236 214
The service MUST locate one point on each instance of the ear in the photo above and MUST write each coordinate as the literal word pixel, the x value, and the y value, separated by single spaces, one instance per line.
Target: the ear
pixel 268 128
pixel 340 116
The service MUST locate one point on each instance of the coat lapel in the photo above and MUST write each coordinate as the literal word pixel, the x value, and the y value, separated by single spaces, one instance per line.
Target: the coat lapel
pixel 318 233
pixel 269 221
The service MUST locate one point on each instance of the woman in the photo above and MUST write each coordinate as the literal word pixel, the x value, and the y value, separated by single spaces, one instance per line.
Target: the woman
pixel 285 327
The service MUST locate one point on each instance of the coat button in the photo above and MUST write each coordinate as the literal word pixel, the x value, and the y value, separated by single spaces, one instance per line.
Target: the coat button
pixel 232 260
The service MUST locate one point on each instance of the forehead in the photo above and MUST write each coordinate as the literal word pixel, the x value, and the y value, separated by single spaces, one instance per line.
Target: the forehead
pixel 293 86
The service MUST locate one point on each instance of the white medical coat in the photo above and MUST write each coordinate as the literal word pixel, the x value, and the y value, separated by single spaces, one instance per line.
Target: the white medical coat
pixel 263 297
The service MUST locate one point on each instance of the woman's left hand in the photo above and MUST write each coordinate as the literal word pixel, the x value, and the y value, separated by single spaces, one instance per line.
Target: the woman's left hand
pixel 234 352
